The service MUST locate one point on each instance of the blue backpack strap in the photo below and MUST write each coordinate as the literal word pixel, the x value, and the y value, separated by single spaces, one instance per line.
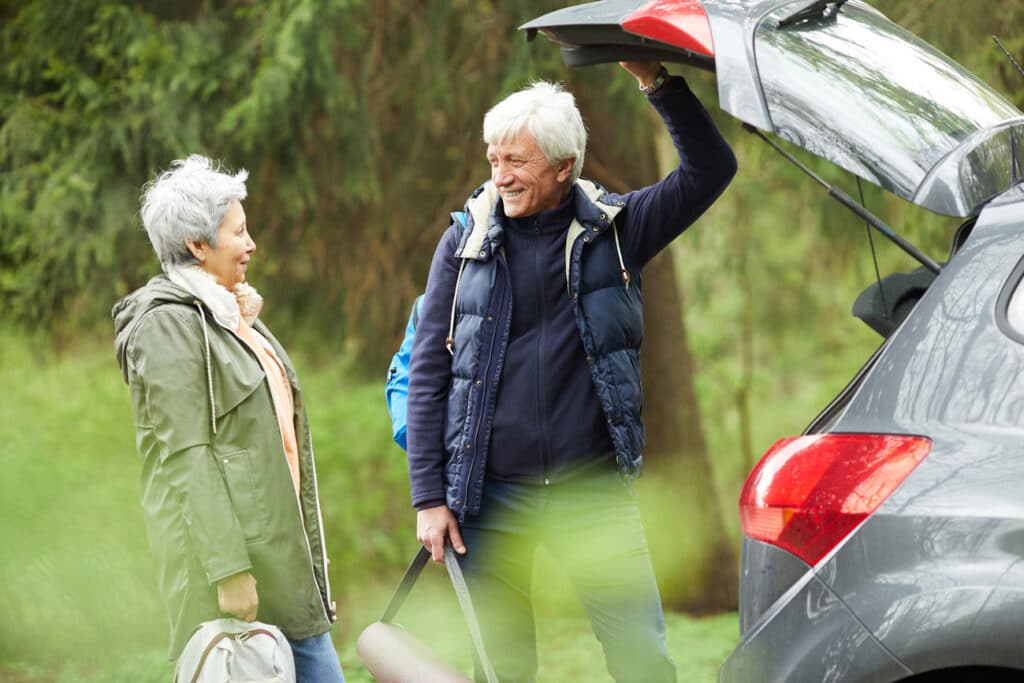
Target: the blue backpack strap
pixel 459 220
pixel 396 388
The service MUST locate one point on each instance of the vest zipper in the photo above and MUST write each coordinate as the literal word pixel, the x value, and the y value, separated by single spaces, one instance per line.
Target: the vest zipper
pixel 485 398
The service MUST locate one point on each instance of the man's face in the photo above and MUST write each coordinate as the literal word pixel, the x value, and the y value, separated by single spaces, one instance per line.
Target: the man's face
pixel 527 181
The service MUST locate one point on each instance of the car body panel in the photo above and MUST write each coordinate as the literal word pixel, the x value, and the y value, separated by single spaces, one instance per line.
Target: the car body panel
pixel 938 569
pixel 829 633
pixel 935 575
pixel 936 602
pixel 767 573
pixel 855 89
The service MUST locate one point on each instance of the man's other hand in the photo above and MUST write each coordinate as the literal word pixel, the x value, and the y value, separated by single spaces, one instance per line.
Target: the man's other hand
pixel 435 525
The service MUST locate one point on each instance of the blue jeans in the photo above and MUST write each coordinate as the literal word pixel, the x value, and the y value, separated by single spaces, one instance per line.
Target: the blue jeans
pixel 316 660
pixel 592 527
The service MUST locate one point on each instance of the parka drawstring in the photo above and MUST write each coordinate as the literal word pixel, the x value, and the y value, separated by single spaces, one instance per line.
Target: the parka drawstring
pixel 209 371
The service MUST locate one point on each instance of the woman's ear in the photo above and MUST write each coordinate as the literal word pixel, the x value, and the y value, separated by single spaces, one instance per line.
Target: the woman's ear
pixel 197 247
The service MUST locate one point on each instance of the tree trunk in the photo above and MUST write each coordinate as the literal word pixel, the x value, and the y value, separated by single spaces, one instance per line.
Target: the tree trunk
pixel 695 561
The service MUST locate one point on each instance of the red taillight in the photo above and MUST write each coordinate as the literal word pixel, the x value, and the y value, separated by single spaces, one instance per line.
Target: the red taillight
pixel 808 493
pixel 682 23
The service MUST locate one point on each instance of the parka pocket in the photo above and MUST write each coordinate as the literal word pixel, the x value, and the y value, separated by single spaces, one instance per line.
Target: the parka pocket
pixel 245 495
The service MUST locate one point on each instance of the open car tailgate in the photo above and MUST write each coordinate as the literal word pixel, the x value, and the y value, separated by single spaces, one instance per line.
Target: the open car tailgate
pixel 838 79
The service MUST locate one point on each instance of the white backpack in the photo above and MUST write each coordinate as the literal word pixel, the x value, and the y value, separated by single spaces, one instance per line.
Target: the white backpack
pixel 233 651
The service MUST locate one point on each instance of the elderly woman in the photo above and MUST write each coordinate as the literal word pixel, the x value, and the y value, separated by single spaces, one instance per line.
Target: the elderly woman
pixel 229 486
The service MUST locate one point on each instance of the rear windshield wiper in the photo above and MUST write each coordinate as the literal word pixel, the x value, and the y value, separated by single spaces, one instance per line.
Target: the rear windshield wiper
pixel 816 10
pixel 848 201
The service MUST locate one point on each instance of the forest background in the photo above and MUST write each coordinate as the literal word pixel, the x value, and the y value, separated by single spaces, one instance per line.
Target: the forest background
pixel 359 121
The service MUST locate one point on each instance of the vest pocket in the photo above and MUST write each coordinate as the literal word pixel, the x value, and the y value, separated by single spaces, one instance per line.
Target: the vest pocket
pixel 244 495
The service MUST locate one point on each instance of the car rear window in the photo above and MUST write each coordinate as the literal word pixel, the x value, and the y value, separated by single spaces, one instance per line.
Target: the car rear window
pixel 878 101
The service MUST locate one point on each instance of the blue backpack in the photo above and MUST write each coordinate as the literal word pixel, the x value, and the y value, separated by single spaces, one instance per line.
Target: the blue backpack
pixel 396 388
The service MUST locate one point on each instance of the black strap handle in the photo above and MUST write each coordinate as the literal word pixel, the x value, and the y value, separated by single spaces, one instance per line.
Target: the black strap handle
pixel 451 562
pixel 405 585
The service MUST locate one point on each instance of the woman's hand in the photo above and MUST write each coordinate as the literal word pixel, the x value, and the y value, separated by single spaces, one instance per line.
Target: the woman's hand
pixel 236 595
pixel 435 525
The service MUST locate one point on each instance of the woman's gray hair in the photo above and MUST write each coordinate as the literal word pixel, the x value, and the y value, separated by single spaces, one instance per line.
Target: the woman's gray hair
pixel 187 202
pixel 547 112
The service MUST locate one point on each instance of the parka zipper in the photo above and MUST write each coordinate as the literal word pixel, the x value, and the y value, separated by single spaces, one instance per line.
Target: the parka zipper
pixel 298 499
pixel 309 442
pixel 329 605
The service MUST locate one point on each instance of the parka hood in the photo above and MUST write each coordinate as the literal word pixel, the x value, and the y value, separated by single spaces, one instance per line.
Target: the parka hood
pixel 130 309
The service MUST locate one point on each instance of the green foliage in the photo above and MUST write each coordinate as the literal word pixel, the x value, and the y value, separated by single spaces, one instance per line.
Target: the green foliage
pixel 99 95
pixel 351 114
pixel 79 598
pixel 74 543
pixel 75 551
pixel 359 120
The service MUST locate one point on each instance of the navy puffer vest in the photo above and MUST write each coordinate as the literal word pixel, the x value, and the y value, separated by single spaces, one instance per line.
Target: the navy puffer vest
pixel 609 315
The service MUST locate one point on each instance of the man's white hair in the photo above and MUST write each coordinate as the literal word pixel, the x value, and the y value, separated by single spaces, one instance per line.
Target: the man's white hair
pixel 187 202
pixel 547 112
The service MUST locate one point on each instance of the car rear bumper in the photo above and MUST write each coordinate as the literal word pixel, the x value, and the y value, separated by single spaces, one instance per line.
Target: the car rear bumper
pixel 810 635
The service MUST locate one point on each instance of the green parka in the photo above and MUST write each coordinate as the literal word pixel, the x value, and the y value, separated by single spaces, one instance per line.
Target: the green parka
pixel 218 501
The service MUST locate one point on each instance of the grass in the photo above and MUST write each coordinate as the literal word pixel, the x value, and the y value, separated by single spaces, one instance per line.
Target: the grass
pixel 78 599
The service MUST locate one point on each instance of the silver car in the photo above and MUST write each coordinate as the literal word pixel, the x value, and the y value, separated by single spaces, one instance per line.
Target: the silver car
pixel 886 543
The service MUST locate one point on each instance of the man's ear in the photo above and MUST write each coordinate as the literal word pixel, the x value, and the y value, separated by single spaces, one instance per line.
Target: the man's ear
pixel 196 247
pixel 564 169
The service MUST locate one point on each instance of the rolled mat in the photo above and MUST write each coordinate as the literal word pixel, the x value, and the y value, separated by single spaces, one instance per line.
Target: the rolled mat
pixel 393 655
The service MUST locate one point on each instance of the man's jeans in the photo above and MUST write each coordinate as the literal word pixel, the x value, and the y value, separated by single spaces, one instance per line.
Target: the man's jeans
pixel 316 660
pixel 591 526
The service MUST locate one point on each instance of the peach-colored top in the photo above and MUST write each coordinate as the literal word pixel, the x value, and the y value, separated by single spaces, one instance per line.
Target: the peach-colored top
pixel 280 390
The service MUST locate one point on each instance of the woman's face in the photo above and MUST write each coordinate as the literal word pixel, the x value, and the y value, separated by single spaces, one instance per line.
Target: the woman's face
pixel 230 259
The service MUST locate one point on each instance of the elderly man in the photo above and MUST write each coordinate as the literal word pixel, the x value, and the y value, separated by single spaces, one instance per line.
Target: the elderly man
pixel 524 404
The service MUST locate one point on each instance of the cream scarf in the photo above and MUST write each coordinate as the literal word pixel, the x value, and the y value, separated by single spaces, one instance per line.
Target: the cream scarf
pixel 227 306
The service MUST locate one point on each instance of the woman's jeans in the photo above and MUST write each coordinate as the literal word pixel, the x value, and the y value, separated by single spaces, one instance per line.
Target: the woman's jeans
pixel 316 660
pixel 591 526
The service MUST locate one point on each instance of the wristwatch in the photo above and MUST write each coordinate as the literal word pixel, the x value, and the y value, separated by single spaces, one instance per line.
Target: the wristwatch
pixel 658 81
